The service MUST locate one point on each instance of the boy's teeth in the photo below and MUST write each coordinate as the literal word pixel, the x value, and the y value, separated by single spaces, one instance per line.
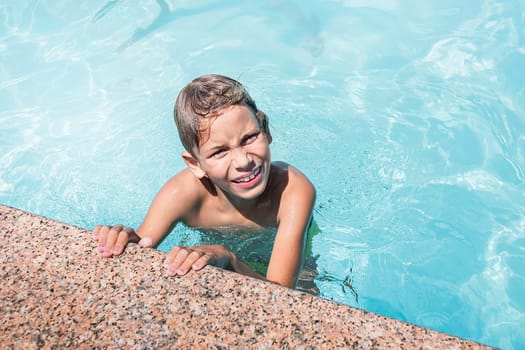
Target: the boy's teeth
pixel 249 178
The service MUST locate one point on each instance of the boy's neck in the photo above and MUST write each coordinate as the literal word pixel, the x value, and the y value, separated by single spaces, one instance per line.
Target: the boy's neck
pixel 243 206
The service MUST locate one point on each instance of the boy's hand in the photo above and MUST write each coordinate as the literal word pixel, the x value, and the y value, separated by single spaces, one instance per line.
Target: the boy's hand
pixel 183 259
pixel 112 240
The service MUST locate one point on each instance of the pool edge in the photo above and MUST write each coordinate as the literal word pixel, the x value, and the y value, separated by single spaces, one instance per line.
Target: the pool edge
pixel 57 291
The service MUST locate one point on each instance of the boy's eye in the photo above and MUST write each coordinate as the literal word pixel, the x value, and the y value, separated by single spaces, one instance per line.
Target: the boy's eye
pixel 218 153
pixel 250 138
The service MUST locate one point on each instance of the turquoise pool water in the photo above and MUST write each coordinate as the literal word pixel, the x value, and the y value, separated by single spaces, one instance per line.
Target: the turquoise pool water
pixel 408 116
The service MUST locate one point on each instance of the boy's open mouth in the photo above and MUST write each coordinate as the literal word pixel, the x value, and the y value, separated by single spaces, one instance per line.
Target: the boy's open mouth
pixel 248 178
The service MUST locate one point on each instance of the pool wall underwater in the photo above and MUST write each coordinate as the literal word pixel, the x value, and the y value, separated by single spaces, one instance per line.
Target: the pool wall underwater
pixel 58 293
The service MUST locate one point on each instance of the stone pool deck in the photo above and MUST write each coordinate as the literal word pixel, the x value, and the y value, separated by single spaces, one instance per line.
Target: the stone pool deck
pixel 56 292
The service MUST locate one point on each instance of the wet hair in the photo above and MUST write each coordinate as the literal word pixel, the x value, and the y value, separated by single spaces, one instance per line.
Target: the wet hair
pixel 200 102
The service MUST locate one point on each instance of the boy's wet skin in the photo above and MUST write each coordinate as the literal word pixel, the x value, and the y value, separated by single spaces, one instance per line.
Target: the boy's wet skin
pixel 230 181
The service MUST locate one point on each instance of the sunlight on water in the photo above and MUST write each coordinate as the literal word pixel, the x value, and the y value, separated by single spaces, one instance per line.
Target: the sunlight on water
pixel 407 116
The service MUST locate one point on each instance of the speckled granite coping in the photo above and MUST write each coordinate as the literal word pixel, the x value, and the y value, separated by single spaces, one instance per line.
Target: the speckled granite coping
pixel 56 292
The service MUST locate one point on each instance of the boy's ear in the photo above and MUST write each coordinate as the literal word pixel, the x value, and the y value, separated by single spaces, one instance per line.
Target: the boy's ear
pixel 268 137
pixel 193 165
pixel 262 119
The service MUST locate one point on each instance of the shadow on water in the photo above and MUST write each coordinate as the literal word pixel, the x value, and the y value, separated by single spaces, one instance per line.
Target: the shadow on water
pixel 165 16
pixel 345 283
pixel 104 10
pixel 291 12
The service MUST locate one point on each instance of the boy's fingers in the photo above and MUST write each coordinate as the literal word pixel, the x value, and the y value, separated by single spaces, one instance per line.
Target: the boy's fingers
pixel 121 242
pixel 201 262
pixel 102 235
pixel 169 260
pixel 111 239
pixel 96 232
pixel 175 259
pixel 124 237
pixel 181 260
pixel 180 257
pixel 187 264
pixel 171 255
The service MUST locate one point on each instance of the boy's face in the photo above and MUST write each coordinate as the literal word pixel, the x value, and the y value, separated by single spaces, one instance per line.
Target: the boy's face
pixel 236 157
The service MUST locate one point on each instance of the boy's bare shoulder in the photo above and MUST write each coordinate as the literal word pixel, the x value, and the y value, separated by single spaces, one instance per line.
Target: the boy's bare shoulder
pixel 291 178
pixel 284 169
pixel 296 196
pixel 184 186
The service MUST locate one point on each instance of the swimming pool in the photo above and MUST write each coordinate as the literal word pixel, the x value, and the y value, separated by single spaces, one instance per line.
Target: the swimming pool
pixel 408 117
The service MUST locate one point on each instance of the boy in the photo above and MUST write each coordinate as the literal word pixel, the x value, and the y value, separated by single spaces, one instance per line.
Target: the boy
pixel 229 183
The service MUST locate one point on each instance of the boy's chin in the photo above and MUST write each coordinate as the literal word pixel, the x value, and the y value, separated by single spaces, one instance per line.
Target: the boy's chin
pixel 250 194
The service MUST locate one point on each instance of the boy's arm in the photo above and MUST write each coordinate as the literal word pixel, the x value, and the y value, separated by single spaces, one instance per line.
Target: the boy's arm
pixel 171 204
pixel 295 210
pixel 294 217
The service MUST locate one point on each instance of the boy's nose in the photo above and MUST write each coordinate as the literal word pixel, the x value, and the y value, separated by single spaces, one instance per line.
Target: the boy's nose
pixel 241 158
